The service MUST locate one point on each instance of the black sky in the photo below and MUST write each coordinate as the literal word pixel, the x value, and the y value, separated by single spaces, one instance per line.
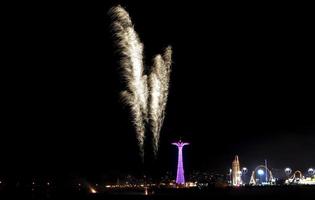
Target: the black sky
pixel 242 83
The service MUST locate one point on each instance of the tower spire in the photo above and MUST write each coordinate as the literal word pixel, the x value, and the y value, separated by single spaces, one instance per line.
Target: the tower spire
pixel 236 172
pixel 180 178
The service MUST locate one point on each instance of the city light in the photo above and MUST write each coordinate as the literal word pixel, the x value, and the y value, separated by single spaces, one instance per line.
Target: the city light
pixel 288 171
pixel 92 190
pixel 244 170
pixel 260 172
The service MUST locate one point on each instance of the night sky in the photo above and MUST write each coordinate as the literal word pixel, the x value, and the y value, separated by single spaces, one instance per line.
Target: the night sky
pixel 242 83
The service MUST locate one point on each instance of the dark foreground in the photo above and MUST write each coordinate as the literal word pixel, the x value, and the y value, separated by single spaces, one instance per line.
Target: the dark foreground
pixel 253 193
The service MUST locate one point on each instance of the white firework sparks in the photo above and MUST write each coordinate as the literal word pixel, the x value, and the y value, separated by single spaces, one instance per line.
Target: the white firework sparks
pixel 139 85
pixel 131 49
pixel 159 86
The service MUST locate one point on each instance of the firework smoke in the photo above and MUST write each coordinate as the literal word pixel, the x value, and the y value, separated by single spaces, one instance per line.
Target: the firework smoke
pixel 146 95
pixel 131 49
pixel 159 84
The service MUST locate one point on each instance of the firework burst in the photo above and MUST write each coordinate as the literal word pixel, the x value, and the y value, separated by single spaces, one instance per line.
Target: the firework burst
pixel 131 50
pixel 159 86
pixel 146 95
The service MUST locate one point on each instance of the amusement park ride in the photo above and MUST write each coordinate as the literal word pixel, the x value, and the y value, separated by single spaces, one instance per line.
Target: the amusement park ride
pixel 265 176
pixel 262 175
pixel 298 179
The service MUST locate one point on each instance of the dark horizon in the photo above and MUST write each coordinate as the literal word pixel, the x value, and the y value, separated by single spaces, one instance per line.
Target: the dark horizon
pixel 241 83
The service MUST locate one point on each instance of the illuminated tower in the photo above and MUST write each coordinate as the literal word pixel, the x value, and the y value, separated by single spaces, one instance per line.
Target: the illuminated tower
pixel 236 172
pixel 180 178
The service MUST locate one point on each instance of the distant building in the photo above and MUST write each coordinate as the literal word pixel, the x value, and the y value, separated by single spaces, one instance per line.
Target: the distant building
pixel 236 172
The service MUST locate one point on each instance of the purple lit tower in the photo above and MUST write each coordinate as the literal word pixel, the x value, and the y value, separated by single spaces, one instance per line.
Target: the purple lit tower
pixel 180 178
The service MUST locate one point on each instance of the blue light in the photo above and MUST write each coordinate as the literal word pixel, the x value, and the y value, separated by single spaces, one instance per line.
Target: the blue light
pixel 260 172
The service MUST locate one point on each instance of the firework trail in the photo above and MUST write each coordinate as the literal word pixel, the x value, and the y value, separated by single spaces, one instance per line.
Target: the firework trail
pixel 159 85
pixel 146 95
pixel 131 50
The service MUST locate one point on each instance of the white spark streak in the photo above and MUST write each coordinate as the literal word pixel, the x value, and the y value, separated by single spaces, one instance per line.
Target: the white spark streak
pixel 131 49
pixel 159 86
pixel 139 85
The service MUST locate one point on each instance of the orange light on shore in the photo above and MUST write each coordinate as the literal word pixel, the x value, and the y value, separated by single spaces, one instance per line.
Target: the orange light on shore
pixel 92 190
